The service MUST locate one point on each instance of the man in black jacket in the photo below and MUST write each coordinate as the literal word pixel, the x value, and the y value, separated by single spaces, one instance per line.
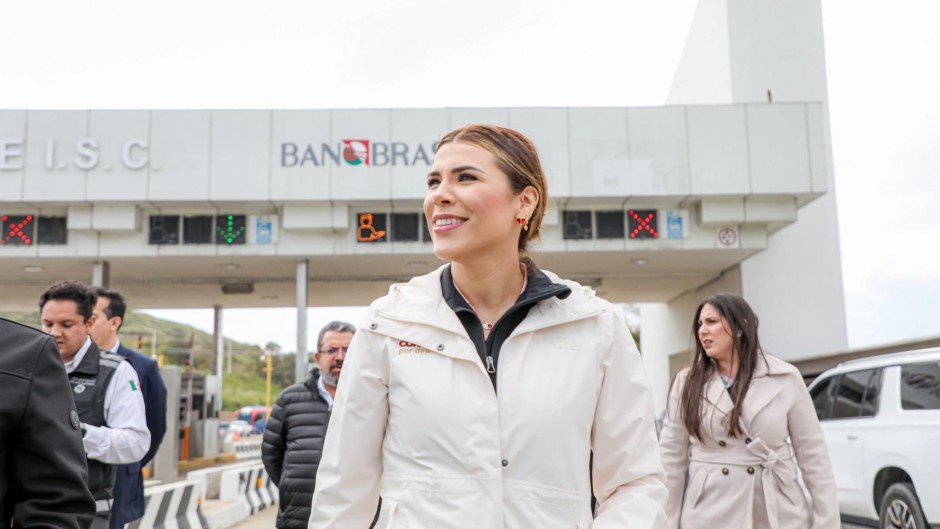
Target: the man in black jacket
pixel 42 462
pixel 293 437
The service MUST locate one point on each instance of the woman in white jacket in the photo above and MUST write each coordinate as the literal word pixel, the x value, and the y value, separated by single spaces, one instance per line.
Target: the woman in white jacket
pixel 489 394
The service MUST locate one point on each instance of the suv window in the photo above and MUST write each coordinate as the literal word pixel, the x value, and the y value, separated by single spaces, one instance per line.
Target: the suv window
pixel 856 394
pixel 870 400
pixel 822 397
pixel 920 386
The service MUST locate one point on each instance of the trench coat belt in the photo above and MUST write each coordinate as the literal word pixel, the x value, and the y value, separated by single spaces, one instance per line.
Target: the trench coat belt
pixel 758 453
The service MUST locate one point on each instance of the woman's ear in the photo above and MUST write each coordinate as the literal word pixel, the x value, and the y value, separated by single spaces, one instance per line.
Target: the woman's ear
pixel 528 201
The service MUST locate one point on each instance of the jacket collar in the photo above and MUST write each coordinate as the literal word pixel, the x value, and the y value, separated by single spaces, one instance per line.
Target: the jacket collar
pixel 420 306
pixel 538 287
pixel 89 362
pixel 764 387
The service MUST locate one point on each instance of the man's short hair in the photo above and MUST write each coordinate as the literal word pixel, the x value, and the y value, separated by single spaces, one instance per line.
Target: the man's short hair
pixel 335 326
pixel 84 297
pixel 117 307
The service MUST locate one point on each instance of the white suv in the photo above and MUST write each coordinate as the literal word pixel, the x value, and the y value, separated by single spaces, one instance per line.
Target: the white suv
pixel 881 418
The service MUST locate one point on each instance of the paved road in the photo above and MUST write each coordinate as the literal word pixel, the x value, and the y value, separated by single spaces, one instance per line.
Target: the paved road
pixel 263 520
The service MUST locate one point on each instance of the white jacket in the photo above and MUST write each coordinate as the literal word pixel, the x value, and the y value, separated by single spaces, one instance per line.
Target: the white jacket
pixel 417 421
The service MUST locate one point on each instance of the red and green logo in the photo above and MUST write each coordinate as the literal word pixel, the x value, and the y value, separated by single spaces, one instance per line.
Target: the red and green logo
pixel 356 152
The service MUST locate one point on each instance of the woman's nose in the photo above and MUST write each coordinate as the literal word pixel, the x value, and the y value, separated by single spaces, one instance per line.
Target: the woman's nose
pixel 441 194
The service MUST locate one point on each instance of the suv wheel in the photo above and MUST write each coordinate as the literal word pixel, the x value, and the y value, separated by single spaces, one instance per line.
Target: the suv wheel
pixel 900 508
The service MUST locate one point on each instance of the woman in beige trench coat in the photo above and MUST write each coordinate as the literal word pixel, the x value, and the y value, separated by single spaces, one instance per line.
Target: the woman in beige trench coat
pixel 724 440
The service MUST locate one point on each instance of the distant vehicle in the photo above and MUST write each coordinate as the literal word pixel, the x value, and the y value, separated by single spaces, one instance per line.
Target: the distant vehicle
pixel 881 419
pixel 259 425
pixel 239 427
pixel 252 415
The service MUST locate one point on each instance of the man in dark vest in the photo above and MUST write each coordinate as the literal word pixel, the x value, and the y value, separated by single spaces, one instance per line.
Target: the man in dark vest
pixel 105 388
pixel 129 486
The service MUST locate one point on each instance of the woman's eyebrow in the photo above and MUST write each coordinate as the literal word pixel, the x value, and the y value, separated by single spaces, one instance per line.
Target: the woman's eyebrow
pixel 458 169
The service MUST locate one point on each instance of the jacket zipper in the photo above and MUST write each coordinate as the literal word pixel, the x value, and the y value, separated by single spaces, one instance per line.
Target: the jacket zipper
pixel 490 368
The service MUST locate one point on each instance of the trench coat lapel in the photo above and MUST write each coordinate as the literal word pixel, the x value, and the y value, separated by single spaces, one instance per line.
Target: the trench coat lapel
pixel 717 394
pixel 764 387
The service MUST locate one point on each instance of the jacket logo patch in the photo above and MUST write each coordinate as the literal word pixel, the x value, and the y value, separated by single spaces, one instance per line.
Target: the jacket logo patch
pixel 80 388
pixel 405 348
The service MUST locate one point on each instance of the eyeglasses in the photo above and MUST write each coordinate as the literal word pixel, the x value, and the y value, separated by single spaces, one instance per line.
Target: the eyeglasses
pixel 335 350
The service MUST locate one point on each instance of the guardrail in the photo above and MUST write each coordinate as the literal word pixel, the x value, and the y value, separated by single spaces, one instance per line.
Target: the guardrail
pixel 234 492
pixel 248 449
pixel 172 506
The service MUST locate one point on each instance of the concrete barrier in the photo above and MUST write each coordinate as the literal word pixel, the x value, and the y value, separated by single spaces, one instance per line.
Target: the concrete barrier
pixel 211 477
pixel 251 483
pixel 234 492
pixel 172 506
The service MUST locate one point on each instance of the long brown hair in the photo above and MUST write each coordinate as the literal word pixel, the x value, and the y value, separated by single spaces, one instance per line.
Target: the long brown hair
pixel 743 331
pixel 516 156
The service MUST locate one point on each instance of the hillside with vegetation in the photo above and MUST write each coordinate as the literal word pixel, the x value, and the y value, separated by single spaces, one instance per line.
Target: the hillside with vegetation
pixel 243 371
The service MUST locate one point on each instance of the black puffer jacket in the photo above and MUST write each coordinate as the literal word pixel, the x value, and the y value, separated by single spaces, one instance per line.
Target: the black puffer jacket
pixel 293 443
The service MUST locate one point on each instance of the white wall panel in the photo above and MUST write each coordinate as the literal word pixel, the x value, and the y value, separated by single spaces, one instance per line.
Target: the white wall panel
pixel 179 166
pixel 305 243
pixel 600 154
pixel 13 155
pixel 548 128
pixel 123 148
pixel 135 244
pixel 307 216
pixel 778 149
pixel 818 149
pixel 658 137
pixel 295 176
pixel 240 155
pixel 488 116
pixel 65 180
pixel 360 182
pixel 115 217
pixel 718 157
pixel 417 129
pixel 81 244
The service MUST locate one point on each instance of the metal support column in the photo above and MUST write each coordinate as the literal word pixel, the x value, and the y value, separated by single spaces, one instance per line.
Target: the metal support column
pixel 300 363
pixel 218 341
pixel 101 274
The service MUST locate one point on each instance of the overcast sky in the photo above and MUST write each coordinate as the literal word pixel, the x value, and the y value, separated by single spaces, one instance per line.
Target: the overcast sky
pixel 882 59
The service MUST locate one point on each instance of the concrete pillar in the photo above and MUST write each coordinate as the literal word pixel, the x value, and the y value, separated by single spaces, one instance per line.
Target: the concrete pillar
pixel 218 341
pixel 165 462
pixel 758 51
pixel 300 364
pixel 101 274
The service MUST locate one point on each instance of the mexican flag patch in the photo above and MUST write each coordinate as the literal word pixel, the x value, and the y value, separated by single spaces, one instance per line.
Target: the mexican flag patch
pixel 134 386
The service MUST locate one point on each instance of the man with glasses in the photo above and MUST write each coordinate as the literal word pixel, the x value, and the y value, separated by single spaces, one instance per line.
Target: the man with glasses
pixel 294 434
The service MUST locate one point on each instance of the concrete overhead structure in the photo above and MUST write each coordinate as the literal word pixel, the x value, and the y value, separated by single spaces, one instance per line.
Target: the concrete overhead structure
pixel 719 190
pixel 743 52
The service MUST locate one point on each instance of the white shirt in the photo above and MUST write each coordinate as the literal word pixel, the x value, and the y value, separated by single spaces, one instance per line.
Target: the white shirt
pixel 324 392
pixel 126 438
